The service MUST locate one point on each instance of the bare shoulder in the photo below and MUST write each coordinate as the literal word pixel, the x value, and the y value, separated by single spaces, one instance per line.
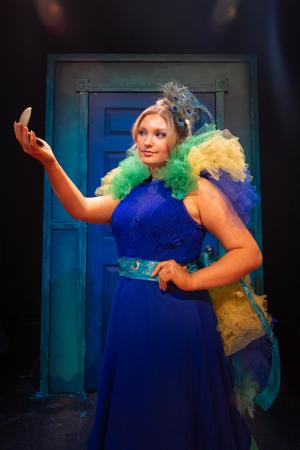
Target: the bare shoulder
pixel 214 206
pixel 206 191
pixel 99 209
pixel 205 186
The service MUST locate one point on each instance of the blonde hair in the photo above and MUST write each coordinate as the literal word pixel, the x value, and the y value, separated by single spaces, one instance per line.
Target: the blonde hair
pixel 161 108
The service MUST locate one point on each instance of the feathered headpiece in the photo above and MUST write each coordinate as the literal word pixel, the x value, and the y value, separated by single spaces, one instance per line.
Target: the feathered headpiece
pixel 184 106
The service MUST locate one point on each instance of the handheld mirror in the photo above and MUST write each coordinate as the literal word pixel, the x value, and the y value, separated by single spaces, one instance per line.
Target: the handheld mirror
pixel 24 120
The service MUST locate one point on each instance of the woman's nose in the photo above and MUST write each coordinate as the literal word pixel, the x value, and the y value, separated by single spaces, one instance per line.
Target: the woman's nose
pixel 148 140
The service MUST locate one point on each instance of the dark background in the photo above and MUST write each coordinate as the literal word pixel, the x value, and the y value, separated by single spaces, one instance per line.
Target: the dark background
pixel 33 29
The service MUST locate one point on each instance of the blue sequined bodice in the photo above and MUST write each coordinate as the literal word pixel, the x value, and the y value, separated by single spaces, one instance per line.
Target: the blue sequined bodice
pixel 150 224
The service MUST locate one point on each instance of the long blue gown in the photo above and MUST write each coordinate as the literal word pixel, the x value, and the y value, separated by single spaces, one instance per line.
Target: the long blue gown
pixel 165 382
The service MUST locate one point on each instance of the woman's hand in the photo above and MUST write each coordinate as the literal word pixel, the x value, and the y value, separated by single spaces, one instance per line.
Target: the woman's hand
pixel 171 271
pixel 30 146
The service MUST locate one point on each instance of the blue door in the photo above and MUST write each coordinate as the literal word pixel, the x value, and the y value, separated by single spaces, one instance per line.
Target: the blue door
pixel 92 101
pixel 111 116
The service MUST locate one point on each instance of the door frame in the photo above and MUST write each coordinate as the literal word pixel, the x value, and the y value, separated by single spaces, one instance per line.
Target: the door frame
pixel 83 87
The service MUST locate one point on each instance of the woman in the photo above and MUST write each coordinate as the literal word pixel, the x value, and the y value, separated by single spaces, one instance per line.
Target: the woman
pixel 166 382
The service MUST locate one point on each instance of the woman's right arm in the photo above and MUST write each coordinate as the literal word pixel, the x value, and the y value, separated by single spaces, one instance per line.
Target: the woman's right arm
pixel 88 209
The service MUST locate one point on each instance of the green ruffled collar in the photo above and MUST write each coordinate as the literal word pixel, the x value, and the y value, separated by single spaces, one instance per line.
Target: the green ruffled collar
pixel 176 173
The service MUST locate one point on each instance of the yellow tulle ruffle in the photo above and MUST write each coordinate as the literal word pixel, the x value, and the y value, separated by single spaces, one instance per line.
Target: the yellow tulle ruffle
pixel 221 152
pixel 106 181
pixel 237 321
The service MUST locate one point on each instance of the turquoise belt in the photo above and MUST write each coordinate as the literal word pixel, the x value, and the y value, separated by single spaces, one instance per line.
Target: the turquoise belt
pixel 142 269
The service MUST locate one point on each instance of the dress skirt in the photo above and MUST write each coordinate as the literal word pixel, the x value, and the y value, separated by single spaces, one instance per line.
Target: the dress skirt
pixel 165 383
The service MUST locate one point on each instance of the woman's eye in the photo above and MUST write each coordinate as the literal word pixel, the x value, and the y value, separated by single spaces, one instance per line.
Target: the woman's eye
pixel 159 134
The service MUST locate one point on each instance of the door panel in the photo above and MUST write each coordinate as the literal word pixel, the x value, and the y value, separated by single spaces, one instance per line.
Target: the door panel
pixel 110 118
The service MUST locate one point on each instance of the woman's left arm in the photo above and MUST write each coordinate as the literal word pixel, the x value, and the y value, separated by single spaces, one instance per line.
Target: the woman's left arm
pixel 219 217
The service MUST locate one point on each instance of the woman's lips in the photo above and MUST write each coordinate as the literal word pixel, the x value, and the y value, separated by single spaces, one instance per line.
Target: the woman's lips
pixel 146 153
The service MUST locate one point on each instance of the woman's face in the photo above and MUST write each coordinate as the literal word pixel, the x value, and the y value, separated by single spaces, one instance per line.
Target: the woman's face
pixel 152 141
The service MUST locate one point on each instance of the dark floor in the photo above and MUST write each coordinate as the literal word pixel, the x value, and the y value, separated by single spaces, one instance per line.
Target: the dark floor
pixel 62 422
